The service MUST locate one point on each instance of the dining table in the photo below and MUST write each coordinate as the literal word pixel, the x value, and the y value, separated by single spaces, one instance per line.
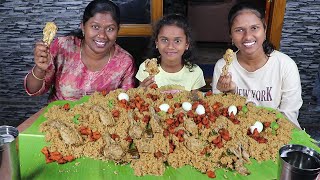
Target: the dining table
pixel 28 122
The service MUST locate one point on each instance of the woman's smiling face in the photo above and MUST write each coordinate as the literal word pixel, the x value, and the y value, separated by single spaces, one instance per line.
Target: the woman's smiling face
pixel 100 32
pixel 248 33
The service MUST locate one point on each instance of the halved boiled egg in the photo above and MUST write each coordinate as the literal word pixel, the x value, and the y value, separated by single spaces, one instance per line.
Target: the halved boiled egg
pixel 123 96
pixel 232 109
pixel 258 125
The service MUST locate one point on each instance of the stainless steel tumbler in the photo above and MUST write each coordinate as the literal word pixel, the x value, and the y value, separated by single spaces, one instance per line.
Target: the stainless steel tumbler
pixel 9 153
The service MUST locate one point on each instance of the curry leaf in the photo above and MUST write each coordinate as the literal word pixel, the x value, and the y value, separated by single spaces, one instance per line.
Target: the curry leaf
pixel 245 109
pixel 111 103
pixel 75 119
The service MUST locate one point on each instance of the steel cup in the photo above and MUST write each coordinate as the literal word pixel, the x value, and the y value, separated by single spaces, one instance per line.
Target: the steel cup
pixel 297 162
pixel 9 153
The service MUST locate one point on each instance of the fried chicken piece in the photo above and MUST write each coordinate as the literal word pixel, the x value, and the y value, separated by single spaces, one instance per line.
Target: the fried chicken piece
pixel 192 144
pixel 228 57
pixel 105 116
pixel 152 66
pixel 68 134
pixel 49 32
pixel 112 149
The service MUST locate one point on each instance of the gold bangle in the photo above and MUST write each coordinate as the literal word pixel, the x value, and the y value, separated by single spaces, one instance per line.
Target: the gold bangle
pixel 40 79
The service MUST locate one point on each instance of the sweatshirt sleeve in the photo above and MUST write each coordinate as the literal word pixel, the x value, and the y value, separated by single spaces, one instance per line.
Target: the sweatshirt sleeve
pixel 291 100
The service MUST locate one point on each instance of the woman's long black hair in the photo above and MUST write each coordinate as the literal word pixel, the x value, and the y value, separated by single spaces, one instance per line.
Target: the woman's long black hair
pixel 180 21
pixel 268 47
pixel 94 7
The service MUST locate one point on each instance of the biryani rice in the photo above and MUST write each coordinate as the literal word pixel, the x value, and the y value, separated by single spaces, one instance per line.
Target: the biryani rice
pixel 171 148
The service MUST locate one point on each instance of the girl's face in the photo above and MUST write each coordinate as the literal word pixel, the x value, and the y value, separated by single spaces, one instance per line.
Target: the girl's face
pixel 171 43
pixel 248 33
pixel 100 33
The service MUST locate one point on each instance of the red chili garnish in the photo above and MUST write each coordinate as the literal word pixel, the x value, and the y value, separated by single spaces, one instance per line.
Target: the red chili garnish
pixel 171 129
pixel 266 124
pixel 85 130
pixel 115 136
pixel 61 161
pixel 220 144
pixel 66 106
pixel 261 140
pixel 170 121
pixel 255 133
pixel 165 133
pixel 216 105
pixel 68 158
pixel 154 86
pixel 177 105
pixel 190 114
pixel 104 92
pixel 212 118
pixel 146 118
pixel 236 121
pixel 195 105
pixel 209 93
pixel 95 136
pixel 169 96
pixel 170 110
pixel 158 154
pixel 225 134
pixel 129 139
pixel 181 139
pixel 211 174
pixel 217 140
pixel 157 109
pixel 180 131
pixel 115 113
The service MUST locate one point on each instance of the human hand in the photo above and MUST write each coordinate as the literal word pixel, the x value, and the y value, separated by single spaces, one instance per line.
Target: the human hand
pixel 225 83
pixel 147 82
pixel 41 56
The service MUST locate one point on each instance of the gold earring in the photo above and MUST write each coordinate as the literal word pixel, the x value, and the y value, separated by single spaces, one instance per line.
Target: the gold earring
pixel 232 43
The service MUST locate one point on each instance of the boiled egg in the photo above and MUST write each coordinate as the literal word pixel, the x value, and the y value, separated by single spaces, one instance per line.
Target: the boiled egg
pixel 258 125
pixel 232 109
pixel 252 128
pixel 123 96
pixel 200 110
pixel 186 106
pixel 164 107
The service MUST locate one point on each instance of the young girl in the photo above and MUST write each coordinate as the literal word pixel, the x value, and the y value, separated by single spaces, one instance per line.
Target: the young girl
pixel 257 71
pixel 171 45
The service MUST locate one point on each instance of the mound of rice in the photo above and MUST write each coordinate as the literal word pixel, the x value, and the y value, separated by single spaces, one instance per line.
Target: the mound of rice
pixel 215 139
